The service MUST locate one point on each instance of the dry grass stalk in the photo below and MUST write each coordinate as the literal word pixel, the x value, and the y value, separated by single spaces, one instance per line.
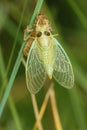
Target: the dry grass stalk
pixel 55 109
pixel 50 93
pixel 36 112
pixel 43 107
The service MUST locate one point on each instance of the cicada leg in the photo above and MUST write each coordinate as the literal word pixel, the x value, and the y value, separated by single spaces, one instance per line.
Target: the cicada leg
pixel 29 36
pixel 27 46
pixel 26 32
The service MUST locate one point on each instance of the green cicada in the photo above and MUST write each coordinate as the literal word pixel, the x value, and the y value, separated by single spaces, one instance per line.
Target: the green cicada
pixel 46 57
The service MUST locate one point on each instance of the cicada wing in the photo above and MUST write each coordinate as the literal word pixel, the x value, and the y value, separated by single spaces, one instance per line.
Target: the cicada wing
pixel 35 72
pixel 63 72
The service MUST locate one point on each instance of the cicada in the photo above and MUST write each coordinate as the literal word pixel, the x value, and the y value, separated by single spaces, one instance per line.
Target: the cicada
pixel 46 58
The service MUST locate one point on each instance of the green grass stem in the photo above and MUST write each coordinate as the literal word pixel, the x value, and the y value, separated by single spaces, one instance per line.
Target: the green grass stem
pixel 16 37
pixel 11 27
pixel 2 73
pixel 18 61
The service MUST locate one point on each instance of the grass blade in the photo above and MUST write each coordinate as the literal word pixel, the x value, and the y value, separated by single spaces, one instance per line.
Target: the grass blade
pixel 18 61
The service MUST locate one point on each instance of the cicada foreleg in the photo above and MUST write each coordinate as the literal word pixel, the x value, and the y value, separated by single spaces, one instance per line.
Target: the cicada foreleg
pixel 27 31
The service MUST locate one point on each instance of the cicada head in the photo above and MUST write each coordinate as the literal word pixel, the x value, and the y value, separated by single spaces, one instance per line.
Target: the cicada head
pixel 43 30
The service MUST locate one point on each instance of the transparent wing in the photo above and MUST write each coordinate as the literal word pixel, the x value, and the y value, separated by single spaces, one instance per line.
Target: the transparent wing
pixel 63 72
pixel 35 72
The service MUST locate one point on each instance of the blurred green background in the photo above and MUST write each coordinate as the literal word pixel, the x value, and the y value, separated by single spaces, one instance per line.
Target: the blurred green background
pixel 68 19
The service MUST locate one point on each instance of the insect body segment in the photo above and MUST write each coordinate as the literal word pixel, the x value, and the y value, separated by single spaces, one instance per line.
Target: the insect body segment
pixel 46 54
pixel 46 57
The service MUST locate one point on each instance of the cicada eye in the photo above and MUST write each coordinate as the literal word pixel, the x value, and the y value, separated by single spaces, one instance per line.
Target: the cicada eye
pixel 47 33
pixel 39 34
